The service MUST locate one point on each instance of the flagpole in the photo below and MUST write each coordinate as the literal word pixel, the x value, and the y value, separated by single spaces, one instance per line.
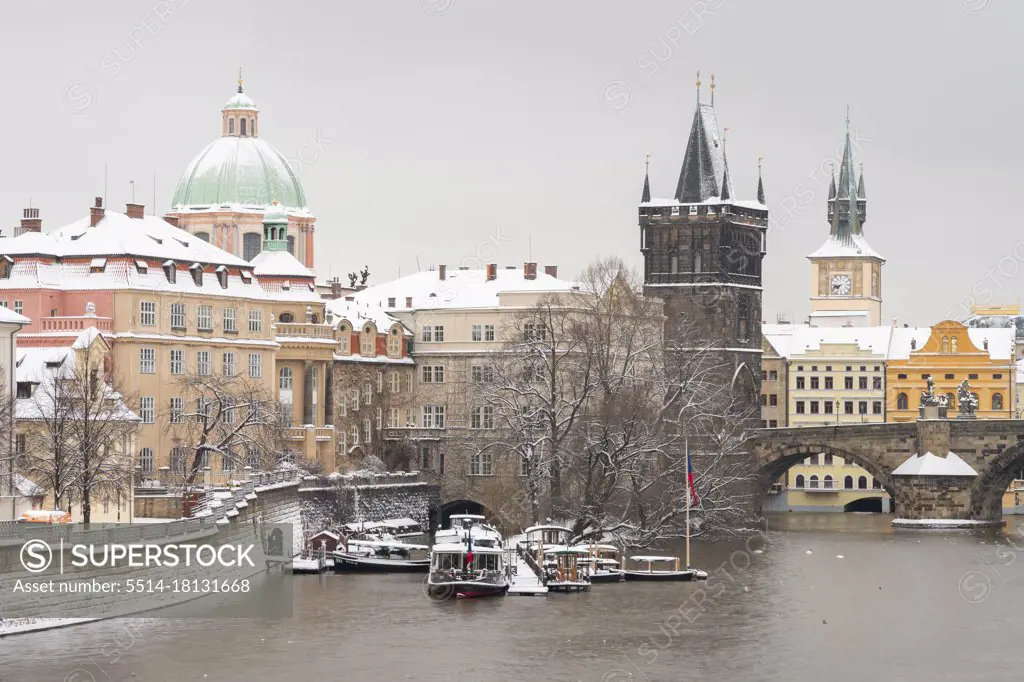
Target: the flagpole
pixel 689 492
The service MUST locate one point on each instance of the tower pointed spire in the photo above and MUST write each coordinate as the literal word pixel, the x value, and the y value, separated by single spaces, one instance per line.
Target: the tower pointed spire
pixel 860 183
pixel 726 184
pixel 240 79
pixel 845 214
pixel 760 183
pixel 831 182
pixel 712 88
pixel 698 88
pixel 646 196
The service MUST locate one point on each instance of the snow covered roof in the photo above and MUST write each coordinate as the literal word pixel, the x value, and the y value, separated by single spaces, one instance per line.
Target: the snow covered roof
pixel 653 558
pixel 794 340
pixel 33 365
pixel 359 313
pixel 710 201
pixel 929 464
pixel 1000 341
pixel 848 246
pixel 116 234
pixel 459 289
pixel 8 316
pixel 907 339
pixel 27 488
pixel 280 264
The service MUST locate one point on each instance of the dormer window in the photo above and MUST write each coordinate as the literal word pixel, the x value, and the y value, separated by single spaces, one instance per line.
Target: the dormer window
pixel 6 264
pixel 170 271
pixel 286 286
pixel 368 342
pixel 395 342
pixel 246 276
pixel 197 274
pixel 98 265
pixel 346 339
pixel 142 267
pixel 222 277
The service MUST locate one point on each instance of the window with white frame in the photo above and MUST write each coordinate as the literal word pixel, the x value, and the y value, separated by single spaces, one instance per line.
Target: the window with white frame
pixel 380 381
pixel 147 410
pixel 393 418
pixel 433 374
pixel 177 316
pixel 255 320
pixel 353 433
pixel 229 320
pixel 287 379
pixel 19 307
pixel 342 407
pixel 177 361
pixel 481 464
pixel 482 417
pixel 203 368
pixel 204 318
pixel 410 417
pixel 533 331
pixel 380 418
pixel 367 393
pixel 146 460
pixel 368 343
pixel 177 406
pixel 427 333
pixel 438 333
pixel 285 412
pixel 524 466
pixel 255 365
pixel 395 382
pixel 482 374
pixel 342 440
pixel 433 416
pixel 346 342
pixel 147 313
pixel 483 332
pixel 354 400
pixel 367 431
pixel 230 364
pixel 147 360
pixel 228 410
pixel 395 343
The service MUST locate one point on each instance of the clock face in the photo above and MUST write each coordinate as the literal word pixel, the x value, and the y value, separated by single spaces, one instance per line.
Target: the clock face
pixel 841 285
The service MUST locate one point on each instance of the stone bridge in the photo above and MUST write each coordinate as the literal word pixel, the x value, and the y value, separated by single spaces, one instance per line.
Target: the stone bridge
pixel 993 448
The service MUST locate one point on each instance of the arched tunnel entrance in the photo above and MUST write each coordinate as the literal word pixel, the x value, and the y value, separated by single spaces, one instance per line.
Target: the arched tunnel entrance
pixel 459 507
pixel 820 478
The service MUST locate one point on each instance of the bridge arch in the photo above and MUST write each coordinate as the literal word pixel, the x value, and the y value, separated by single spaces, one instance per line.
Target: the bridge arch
pixel 773 462
pixel 462 506
pixel 992 481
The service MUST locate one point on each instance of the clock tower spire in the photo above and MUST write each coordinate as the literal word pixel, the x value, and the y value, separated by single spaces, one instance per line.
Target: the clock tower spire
pixel 846 273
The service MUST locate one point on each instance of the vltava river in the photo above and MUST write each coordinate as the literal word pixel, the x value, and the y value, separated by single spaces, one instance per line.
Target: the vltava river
pixel 899 605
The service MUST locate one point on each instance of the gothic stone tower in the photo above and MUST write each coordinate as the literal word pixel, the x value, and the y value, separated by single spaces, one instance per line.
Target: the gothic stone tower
pixel 702 255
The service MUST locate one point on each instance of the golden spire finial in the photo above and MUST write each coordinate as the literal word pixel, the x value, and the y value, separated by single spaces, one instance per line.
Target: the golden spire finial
pixel 712 87
pixel 240 79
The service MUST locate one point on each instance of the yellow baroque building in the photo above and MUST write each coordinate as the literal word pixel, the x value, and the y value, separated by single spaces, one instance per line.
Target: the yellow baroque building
pixel 949 353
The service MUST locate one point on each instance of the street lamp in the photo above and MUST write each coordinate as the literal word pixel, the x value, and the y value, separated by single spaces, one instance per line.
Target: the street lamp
pixel 837 411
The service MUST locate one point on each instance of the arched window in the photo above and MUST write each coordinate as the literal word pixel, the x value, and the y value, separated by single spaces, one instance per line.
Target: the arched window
pixel 799 480
pixel 287 318
pixel 395 342
pixel 252 244
pixel 862 483
pixel 231 126
pixel 828 459
pixel 952 345
pixel 291 245
pixel 814 481
pixel 997 401
pixel 945 344
pixel 287 379
pixel 253 127
pixel 828 482
pixel 876 484
pixel 242 124
pixel 848 482
pixel 205 236
pixel 901 402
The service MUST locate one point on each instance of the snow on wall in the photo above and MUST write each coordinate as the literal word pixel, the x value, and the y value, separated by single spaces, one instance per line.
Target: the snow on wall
pixel 331 502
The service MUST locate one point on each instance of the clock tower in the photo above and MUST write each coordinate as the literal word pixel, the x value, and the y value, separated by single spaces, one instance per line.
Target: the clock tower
pixel 846 273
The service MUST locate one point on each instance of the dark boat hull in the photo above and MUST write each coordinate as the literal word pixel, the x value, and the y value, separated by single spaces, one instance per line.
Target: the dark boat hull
pixel 466 589
pixel 605 578
pixel 354 564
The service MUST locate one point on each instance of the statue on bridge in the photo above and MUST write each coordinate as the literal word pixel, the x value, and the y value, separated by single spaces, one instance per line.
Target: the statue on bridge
pixel 968 401
pixel 928 398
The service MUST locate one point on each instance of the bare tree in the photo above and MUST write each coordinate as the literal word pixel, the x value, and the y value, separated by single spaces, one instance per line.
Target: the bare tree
pixel 79 432
pixel 374 399
pixel 7 452
pixel 233 418
pixel 585 396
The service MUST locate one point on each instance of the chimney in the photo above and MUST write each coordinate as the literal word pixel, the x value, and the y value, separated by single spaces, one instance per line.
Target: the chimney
pixel 551 271
pixel 335 288
pixel 441 270
pixel 408 301
pixel 137 211
pixel 529 271
pixel 171 220
pixel 30 221
pixel 96 212
pixel 492 271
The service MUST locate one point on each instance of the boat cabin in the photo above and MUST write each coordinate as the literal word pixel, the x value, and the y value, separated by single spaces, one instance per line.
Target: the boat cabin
pixel 547 535
pixel 451 558
pixel 563 568
pixel 325 540
pixel 666 564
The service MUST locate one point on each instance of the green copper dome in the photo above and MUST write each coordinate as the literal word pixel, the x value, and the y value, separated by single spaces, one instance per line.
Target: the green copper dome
pixel 238 170
pixel 240 101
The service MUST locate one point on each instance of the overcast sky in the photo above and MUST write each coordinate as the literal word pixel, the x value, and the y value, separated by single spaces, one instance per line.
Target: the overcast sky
pixel 462 131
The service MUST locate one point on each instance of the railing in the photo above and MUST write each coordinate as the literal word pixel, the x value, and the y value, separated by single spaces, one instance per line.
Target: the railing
pixel 14 532
pixel 305 329
pixel 531 562
pixel 412 433
pixel 76 323
pixel 322 433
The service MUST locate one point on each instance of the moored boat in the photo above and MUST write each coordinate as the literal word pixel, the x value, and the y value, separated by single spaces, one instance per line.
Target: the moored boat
pixel 649 573
pixel 381 556
pixel 566 575
pixel 468 561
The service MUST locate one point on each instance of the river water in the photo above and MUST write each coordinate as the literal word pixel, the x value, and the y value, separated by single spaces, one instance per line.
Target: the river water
pixel 899 605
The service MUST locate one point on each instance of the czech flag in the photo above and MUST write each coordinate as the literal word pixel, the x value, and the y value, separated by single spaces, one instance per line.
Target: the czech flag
pixel 469 549
pixel 689 478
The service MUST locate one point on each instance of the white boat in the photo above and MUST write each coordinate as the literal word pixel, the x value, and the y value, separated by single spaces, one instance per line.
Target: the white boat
pixel 602 562
pixel 381 556
pixel 565 574
pixel 468 560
